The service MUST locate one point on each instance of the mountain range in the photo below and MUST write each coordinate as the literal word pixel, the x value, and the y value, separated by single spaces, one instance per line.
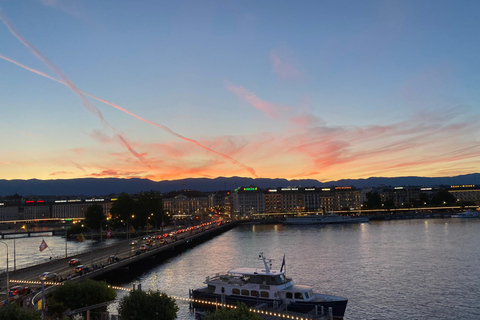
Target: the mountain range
pixel 113 186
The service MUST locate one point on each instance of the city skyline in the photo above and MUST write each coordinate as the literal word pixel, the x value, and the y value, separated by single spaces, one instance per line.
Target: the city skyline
pixel 164 91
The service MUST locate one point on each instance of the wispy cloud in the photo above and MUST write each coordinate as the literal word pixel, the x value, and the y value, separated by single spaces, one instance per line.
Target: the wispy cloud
pixel 283 64
pixel 270 109
pixel 161 126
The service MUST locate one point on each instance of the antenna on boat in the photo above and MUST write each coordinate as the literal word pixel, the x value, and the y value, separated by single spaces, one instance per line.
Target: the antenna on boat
pixel 266 262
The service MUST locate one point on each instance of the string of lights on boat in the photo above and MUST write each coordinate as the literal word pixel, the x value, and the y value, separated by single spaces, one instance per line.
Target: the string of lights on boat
pixel 206 302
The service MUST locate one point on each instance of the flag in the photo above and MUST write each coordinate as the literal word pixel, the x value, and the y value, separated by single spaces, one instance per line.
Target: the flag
pixel 109 234
pixel 132 229
pixel 43 245
pixel 80 237
pixel 283 263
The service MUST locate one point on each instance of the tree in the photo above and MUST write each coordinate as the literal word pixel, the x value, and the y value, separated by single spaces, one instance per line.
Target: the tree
pixel 13 311
pixel 443 197
pixel 374 201
pixel 122 209
pixel 94 217
pixel 152 305
pixel 78 295
pixel 240 313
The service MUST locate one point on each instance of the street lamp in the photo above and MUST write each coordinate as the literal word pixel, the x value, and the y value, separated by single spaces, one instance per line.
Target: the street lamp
pixel 150 218
pixel 8 280
pixel 91 245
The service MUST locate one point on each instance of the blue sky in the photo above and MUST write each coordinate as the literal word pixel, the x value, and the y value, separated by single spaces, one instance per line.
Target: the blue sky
pixel 310 89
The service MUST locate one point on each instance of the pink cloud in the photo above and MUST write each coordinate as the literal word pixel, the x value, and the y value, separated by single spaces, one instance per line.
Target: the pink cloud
pixel 283 64
pixel 272 110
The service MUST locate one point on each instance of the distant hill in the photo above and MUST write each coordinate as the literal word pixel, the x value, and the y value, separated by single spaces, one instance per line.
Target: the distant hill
pixel 112 186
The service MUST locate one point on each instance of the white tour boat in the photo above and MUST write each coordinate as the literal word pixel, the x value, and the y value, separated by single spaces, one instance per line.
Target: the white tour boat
pixel 467 214
pixel 324 219
pixel 268 288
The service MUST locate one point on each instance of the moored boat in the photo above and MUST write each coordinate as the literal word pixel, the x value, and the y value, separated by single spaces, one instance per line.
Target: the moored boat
pixel 269 288
pixel 467 214
pixel 324 219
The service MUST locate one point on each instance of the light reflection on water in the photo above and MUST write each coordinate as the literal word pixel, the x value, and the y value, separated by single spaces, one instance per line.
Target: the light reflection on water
pixel 409 269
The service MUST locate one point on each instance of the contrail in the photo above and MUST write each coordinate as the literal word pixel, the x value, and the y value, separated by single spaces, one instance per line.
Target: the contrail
pixel 85 102
pixel 163 127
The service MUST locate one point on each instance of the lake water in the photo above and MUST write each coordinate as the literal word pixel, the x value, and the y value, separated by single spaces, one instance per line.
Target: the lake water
pixel 404 269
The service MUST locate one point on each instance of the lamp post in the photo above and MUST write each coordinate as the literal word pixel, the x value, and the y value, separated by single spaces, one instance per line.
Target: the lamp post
pixel 150 218
pixel 91 245
pixel 8 280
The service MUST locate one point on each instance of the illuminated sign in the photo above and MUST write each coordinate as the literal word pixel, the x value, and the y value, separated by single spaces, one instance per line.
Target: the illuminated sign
pixel 60 201
pixel 310 189
pixel 342 188
pixel 40 201
pixel 325 189
pixel 74 200
pixel 29 201
pixel 2 204
pixel 272 190
pixel 250 189
pixel 286 189
pixel 398 188
pixel 425 189
pixel 464 186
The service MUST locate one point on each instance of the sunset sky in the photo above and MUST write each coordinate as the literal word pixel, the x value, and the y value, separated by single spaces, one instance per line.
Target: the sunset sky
pixel 166 90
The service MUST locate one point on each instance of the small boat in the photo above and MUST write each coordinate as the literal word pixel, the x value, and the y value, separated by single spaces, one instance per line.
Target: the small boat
pixel 268 288
pixel 324 219
pixel 467 214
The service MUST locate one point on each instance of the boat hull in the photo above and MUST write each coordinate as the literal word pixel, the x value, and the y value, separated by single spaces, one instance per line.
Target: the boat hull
pixel 309 221
pixel 338 306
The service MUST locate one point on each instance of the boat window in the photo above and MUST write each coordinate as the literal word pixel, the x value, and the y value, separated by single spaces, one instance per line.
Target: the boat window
pixel 211 289
pixel 254 293
pixel 307 295
pixel 223 290
pixel 235 291
pixel 264 294
pixel 289 295
pixel 245 293
pixel 280 279
pixel 298 295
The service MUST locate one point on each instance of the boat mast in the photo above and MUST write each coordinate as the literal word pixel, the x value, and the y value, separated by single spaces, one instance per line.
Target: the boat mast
pixel 268 265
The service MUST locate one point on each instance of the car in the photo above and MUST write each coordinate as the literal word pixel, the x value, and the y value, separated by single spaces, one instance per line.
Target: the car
pixel 133 242
pixel 81 268
pixel 74 262
pixel 18 291
pixel 113 259
pixel 144 247
pixel 48 276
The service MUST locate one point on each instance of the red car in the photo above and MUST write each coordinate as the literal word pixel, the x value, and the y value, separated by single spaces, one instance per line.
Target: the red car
pixel 18 291
pixel 74 262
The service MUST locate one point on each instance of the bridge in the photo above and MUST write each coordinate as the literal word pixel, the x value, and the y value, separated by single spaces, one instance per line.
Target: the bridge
pixel 126 255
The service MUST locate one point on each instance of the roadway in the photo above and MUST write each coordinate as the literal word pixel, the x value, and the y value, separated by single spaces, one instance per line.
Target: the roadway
pixel 127 254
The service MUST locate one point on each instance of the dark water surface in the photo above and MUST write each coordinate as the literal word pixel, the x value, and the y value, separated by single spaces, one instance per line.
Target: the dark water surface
pixel 408 269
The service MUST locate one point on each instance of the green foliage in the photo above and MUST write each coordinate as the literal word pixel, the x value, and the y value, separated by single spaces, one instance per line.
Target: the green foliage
pixel 141 206
pixel 94 217
pixel 74 229
pixel 13 311
pixel 153 305
pixel 443 197
pixel 374 201
pixel 78 295
pixel 240 313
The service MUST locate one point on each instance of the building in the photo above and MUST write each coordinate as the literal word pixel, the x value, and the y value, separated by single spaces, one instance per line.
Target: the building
pixel 247 201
